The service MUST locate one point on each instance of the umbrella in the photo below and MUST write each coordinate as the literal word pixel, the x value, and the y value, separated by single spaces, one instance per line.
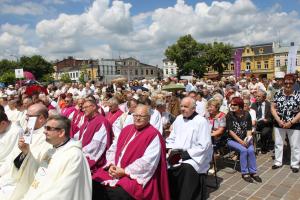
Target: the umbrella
pixel 118 80
pixel 28 76
pixel 135 88
pixel 173 87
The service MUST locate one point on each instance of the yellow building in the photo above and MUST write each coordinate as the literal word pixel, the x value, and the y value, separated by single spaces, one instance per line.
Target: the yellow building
pixel 258 60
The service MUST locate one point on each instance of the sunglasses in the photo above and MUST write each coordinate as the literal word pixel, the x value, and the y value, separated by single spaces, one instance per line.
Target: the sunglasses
pixel 233 104
pixel 49 128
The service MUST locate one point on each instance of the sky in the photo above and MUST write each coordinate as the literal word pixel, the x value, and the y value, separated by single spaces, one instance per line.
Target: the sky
pixel 142 29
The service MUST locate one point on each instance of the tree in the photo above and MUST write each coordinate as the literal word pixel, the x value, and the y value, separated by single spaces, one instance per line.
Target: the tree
pixel 81 78
pixel 218 56
pixel 8 77
pixel 37 65
pixel 65 78
pixel 197 66
pixel 47 78
pixel 185 49
pixel 7 65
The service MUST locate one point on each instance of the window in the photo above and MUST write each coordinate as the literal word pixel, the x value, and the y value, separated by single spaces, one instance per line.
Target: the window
pixel 147 72
pixel 248 66
pixel 111 70
pixel 118 71
pixel 172 71
pixel 136 72
pixel 277 63
pixel 258 65
pixel 70 75
pixel 151 71
pixel 142 72
pixel 266 64
pixel 261 50
pixel 167 71
pixel 231 66
pixel 286 62
pixel 131 73
pixel 248 51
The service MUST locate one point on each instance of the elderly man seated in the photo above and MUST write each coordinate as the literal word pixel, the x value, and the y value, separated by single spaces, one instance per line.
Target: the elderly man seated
pixel 136 164
pixel 190 153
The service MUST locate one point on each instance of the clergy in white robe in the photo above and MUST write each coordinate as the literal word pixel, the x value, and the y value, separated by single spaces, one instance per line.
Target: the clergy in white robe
pixel 61 173
pixel 190 153
pixel 13 114
pixel 127 118
pixel 9 185
pixel 9 134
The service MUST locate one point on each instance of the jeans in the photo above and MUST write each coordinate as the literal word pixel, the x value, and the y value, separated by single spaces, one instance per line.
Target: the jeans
pixel 247 157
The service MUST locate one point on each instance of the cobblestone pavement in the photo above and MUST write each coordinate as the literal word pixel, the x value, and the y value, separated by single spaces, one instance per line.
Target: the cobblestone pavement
pixel 277 184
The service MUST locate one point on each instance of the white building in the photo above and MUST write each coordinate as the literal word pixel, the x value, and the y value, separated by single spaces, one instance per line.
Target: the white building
pixel 281 52
pixel 169 68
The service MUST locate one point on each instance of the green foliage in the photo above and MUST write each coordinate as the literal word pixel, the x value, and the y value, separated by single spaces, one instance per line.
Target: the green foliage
pixel 8 77
pixel 37 65
pixel 81 78
pixel 65 78
pixel 193 57
pixel 185 49
pixel 197 66
pixel 48 78
pixel 218 55
pixel 7 65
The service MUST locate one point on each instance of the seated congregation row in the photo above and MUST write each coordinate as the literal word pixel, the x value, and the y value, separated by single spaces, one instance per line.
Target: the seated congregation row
pixel 102 161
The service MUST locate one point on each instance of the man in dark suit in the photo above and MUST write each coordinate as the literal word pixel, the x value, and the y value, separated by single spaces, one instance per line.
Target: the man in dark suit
pixel 264 119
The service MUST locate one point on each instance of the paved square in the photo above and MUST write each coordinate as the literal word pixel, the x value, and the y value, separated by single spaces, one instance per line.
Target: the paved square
pixel 277 184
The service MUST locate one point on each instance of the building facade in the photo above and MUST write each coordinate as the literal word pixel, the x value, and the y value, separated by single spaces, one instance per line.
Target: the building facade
pixel 281 52
pixel 169 68
pixel 132 69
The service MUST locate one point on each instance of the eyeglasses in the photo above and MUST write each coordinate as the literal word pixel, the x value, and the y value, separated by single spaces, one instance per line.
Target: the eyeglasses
pixel 85 107
pixel 233 105
pixel 49 128
pixel 140 116
pixel 27 115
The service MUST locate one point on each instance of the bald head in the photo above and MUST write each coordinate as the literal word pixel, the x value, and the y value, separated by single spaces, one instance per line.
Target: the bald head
pixel 40 111
pixel 187 106
pixel 141 116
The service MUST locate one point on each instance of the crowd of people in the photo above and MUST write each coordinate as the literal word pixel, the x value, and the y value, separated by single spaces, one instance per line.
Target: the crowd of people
pixel 138 140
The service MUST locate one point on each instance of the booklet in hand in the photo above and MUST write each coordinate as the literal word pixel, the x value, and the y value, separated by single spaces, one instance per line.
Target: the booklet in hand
pixel 174 156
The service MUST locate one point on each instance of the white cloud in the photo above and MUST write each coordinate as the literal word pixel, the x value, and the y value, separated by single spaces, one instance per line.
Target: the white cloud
pixel 25 8
pixel 107 28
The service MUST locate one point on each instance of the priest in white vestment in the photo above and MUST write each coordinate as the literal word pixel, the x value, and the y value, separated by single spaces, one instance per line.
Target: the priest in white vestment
pixel 190 153
pixel 9 134
pixel 8 185
pixel 62 172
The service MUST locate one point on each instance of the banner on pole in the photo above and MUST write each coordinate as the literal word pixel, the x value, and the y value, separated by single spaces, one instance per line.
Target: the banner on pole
pixel 19 73
pixel 237 62
pixel 292 57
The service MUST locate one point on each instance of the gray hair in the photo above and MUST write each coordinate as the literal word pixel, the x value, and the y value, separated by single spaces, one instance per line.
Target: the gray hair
pixel 114 101
pixel 263 92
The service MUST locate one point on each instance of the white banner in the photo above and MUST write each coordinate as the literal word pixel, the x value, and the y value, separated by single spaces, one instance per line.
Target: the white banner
pixel 19 73
pixel 291 68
